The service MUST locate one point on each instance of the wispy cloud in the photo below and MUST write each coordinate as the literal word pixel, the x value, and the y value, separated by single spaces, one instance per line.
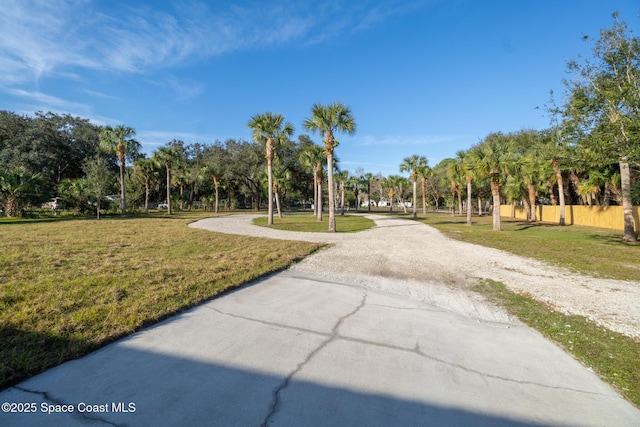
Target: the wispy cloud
pixel 100 94
pixel 44 37
pixel 404 141
pixel 42 98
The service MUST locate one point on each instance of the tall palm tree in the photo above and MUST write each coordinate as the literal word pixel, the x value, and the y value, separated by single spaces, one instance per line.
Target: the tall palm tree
pixel 493 160
pixel 389 183
pixel 355 183
pixel 169 156
pixel 147 169
pixel 343 177
pixel 412 165
pixel 268 128
pixel 368 178
pixel 554 151
pixel 464 158
pixel 313 157
pixel 456 173
pixel 424 172
pixel 119 139
pixel 326 120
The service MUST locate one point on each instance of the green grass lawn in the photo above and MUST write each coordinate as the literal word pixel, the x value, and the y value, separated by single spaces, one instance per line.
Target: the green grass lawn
pixel 308 222
pixel 70 286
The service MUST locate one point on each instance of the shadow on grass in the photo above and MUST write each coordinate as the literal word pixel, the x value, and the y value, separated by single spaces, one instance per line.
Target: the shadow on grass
pixel 27 353
pixel 610 239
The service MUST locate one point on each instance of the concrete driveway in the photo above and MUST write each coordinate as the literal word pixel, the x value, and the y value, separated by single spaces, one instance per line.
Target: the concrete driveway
pixel 294 350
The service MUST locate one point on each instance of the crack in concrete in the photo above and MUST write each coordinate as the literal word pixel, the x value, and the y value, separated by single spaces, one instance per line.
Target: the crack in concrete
pixel 45 396
pixel 275 402
pixel 416 350
pixel 485 375
pixel 268 323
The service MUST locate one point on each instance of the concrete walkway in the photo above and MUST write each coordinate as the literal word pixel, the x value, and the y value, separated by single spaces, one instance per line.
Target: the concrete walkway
pixel 292 350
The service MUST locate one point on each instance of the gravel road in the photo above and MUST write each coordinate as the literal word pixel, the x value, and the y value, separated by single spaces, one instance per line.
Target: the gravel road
pixel 413 259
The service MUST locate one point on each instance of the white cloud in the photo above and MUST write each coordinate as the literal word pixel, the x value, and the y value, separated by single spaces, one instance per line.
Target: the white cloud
pixel 48 100
pixel 49 37
pixel 100 94
pixel 408 140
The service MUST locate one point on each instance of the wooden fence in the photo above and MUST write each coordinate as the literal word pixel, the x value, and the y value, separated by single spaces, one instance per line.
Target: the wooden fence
pixel 595 216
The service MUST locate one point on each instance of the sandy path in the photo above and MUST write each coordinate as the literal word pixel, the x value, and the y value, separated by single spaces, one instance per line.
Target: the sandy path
pixel 413 259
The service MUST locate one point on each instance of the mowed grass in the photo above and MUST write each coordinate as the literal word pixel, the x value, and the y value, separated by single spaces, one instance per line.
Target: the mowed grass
pixel 68 287
pixel 613 356
pixel 308 222
pixel 593 251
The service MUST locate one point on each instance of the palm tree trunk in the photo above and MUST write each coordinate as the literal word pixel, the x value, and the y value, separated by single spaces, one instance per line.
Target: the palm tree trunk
pixel 319 204
pixel 495 192
pixel 123 203
pixel 146 196
pixel 342 198
pixel 415 199
pixel 168 189
pixel 277 195
pixel 215 185
pixel 532 201
pixel 556 169
pixel 181 197
pixel 11 206
pixel 627 206
pixel 270 189
pixel 424 198
pixel 469 200
pixel 332 214
pixel 315 195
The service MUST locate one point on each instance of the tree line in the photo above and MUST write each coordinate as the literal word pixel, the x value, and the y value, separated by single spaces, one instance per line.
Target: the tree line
pixel 589 155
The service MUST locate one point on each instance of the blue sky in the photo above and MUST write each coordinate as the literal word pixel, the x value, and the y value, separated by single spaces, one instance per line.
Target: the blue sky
pixel 421 77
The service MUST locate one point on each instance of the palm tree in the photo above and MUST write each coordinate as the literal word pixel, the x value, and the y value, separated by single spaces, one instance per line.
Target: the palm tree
pixel 119 140
pixel 268 128
pixel 313 157
pixel 368 178
pixel 456 172
pixel 355 183
pixel 464 158
pixel 343 177
pixel 147 169
pixel 390 183
pixel 169 156
pixel 424 172
pixel 326 120
pixel 554 151
pixel 15 187
pixel 492 159
pixel 412 165
pixel 282 175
